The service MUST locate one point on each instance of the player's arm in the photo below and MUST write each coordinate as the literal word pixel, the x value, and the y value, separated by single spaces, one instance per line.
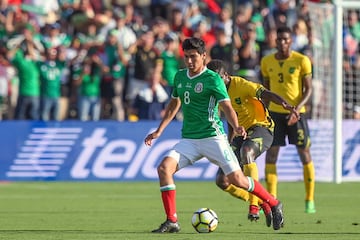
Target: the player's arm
pixel 269 96
pixel 230 134
pixel 307 91
pixel 231 117
pixel 171 109
pixel 266 84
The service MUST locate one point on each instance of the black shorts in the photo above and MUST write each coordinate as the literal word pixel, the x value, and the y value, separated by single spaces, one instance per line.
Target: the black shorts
pixel 298 134
pixel 257 135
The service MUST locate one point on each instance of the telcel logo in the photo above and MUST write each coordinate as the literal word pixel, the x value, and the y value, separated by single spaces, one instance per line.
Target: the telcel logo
pixel 132 162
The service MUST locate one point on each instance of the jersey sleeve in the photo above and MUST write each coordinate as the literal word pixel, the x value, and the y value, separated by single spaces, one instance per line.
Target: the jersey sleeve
pixel 306 68
pixel 174 92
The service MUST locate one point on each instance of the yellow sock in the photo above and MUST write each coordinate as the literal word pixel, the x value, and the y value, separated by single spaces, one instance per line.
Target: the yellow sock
pixel 271 178
pixel 251 170
pixel 309 181
pixel 237 192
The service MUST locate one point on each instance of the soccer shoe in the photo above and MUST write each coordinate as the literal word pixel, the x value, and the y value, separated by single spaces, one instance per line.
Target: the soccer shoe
pixel 268 214
pixel 253 213
pixel 168 227
pixel 278 217
pixel 310 207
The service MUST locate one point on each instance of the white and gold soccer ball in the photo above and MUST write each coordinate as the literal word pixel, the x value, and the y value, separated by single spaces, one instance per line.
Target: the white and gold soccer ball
pixel 204 220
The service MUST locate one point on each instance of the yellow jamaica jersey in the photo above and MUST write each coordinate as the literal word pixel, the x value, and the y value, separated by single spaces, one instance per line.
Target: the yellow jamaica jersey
pixel 245 99
pixel 285 78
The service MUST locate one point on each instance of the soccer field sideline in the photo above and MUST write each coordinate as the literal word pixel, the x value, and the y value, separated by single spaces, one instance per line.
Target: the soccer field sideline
pixel 130 210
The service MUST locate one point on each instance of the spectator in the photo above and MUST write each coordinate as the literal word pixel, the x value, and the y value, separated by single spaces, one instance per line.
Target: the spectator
pixel 170 62
pixel 23 57
pixel 7 16
pixel 203 30
pixel 160 28
pixel 222 49
pixel 112 85
pixel 6 74
pixel 54 37
pixel 282 13
pixel 89 102
pixel 300 35
pixel 249 55
pixel 151 100
pixel 126 36
pixel 269 45
pixel 354 24
pixel 225 22
pixel 50 69
pixel 76 55
pixel 145 58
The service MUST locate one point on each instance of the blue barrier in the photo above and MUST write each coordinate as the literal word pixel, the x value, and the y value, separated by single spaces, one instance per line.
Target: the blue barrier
pixel 115 151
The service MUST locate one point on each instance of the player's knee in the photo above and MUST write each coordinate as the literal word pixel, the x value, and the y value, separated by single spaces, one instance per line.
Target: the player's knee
pixel 248 153
pixel 166 168
pixel 161 170
pixel 222 182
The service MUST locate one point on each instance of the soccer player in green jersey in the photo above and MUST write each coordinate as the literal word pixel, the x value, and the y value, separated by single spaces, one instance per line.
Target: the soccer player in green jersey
pixel 288 74
pixel 200 91
pixel 247 100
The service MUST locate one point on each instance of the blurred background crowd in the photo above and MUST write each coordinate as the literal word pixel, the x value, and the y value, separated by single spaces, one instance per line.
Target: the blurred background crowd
pixel 115 59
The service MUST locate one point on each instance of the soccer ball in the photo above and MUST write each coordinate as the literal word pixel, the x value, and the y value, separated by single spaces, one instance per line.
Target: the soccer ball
pixel 204 220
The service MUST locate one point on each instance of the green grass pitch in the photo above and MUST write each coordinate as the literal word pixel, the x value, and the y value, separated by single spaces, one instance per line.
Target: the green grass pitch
pixel 130 210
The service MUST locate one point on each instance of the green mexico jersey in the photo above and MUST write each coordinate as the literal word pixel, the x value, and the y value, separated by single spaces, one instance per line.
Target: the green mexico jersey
pixel 200 96
pixel 28 73
pixel 50 76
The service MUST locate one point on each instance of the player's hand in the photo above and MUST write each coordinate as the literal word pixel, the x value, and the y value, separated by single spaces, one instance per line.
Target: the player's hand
pixel 150 137
pixel 240 131
pixel 293 117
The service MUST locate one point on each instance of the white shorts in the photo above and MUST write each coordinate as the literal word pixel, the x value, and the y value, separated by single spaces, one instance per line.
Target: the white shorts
pixel 216 149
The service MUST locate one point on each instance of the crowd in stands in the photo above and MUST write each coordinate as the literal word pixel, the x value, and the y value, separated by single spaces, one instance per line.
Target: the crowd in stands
pixel 115 59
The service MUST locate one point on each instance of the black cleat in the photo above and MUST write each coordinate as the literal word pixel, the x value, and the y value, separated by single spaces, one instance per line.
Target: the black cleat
pixel 278 217
pixel 168 227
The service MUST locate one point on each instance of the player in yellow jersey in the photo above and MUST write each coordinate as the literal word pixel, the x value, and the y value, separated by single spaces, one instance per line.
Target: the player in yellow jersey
pixel 289 73
pixel 246 99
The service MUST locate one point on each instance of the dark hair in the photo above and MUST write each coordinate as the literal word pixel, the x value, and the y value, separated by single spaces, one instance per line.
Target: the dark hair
pixel 217 65
pixel 194 43
pixel 284 29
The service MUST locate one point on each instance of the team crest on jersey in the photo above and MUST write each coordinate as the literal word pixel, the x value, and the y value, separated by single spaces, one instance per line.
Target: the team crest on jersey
pixel 198 87
pixel 238 101
pixel 291 69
